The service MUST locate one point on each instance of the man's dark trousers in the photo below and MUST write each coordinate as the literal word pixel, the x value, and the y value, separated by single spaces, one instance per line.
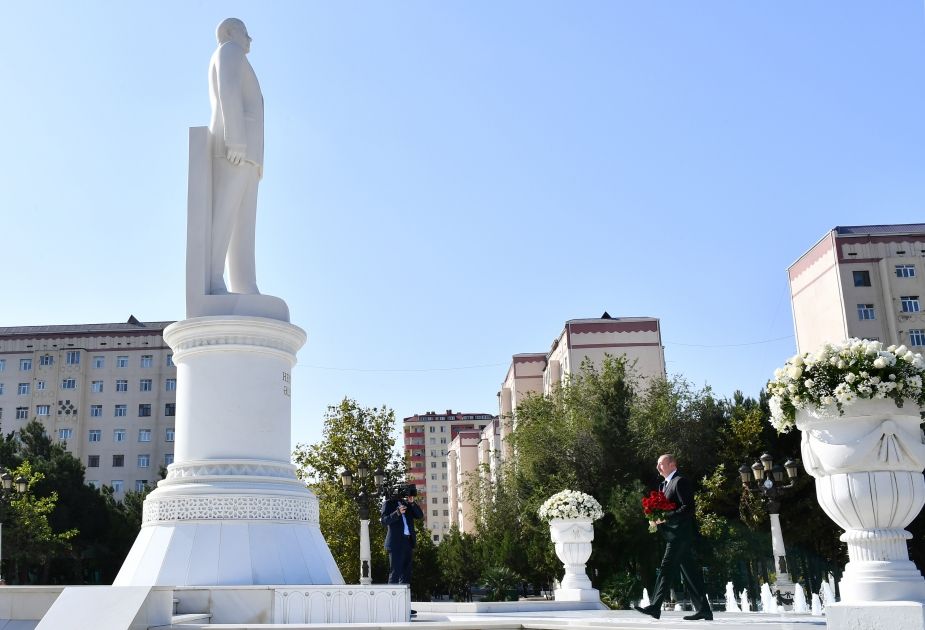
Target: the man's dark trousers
pixel 400 560
pixel 679 554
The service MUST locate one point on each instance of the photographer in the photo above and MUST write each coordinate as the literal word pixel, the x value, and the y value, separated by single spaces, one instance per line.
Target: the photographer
pixel 398 514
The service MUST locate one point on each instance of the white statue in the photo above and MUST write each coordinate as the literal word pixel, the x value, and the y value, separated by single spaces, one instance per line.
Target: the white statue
pixel 236 133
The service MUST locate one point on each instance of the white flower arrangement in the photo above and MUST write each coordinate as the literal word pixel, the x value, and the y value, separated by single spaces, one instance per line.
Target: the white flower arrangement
pixel 838 374
pixel 570 504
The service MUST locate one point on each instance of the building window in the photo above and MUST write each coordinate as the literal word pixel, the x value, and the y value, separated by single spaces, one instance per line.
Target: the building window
pixel 144 410
pixel 905 271
pixel 116 486
pixel 144 461
pixel 433 500
pixel 93 461
pixel 433 464
pixel 72 357
pixel 144 435
pixel 433 429
pixel 861 278
pixel 118 461
pixel 96 411
pixel 866 311
pixel 436 537
pixel 446 500
pixel 25 365
pixel 1 388
pixel 43 410
pixel 443 464
pixel 435 512
pixel 120 411
pixel 168 459
pixel 170 385
pixel 46 359
pixel 65 434
pixel 2 365
pixel 170 360
pixel 96 387
pixel 118 435
pixel 917 337
pixel 122 361
pixel 909 303
pixel 170 409
pixel 99 362
pixel 69 383
pixel 94 435
pixel 22 413
pixel 94 483
pixel 145 385
pixel 40 386
pixel 446 512
pixel 140 485
pixel 121 385
pixel 147 360
pixel 23 389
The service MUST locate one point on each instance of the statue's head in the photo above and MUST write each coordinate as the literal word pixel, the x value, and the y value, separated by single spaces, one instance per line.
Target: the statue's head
pixel 233 30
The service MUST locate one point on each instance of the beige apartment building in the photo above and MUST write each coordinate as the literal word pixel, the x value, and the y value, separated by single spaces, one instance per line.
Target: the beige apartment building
pixel 470 451
pixel 108 391
pixel 538 373
pixel 861 281
pixel 427 440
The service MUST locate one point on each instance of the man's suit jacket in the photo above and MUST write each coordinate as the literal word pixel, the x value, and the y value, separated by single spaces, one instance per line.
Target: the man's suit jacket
pixel 391 518
pixel 237 103
pixel 679 523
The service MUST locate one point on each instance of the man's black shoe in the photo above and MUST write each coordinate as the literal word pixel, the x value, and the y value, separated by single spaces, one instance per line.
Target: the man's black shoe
pixel 706 615
pixel 652 611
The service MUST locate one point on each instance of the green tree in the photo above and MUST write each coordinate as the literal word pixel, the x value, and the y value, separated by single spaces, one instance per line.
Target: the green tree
pixel 352 435
pixel 30 540
pixel 459 564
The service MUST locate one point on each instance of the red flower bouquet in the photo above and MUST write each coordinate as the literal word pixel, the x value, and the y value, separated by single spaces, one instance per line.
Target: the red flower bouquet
pixel 655 506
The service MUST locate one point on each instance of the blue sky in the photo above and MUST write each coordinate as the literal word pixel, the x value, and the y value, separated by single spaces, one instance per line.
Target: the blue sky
pixel 448 182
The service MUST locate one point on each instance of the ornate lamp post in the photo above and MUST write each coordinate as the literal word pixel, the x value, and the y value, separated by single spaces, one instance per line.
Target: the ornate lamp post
pixel 769 483
pixel 6 492
pixel 361 497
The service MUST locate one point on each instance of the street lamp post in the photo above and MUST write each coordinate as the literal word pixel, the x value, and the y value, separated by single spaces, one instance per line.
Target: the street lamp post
pixel 6 491
pixel 361 497
pixel 769 483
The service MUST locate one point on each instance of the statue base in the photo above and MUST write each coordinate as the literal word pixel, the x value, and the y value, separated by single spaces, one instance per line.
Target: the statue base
pixel 231 510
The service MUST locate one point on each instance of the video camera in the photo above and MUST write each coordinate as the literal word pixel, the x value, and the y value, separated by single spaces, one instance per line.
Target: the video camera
pixel 399 491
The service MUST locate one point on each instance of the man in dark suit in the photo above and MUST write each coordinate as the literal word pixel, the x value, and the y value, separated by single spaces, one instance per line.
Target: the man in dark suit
pixel 398 515
pixel 678 531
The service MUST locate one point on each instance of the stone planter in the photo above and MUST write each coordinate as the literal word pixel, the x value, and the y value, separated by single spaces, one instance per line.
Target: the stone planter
pixel 572 538
pixel 868 468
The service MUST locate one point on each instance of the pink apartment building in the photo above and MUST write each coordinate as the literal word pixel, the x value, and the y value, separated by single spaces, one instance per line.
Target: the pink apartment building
pixel 861 281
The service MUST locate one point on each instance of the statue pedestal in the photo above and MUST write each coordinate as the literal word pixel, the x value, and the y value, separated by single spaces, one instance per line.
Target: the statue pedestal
pixel 231 510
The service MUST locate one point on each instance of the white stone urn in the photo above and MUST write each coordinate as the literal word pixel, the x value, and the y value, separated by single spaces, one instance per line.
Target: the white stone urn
pixel 572 538
pixel 868 468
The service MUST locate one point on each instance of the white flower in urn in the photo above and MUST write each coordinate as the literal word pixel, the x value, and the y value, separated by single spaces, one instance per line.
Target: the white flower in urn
pixel 571 504
pixel 839 374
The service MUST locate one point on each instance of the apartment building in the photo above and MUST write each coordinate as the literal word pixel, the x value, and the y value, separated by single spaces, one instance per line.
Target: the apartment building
pixel 427 438
pixel 470 451
pixel 108 391
pixel 638 339
pixel 862 281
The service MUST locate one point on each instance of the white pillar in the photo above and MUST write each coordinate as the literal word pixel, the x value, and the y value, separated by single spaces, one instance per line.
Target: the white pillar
pixel 783 583
pixel 231 510
pixel 366 558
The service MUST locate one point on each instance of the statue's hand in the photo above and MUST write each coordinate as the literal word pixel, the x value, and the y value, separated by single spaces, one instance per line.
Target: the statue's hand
pixel 235 153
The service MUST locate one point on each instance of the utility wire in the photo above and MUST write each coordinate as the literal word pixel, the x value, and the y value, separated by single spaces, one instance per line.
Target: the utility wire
pixel 727 345
pixel 494 365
